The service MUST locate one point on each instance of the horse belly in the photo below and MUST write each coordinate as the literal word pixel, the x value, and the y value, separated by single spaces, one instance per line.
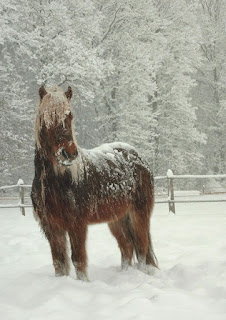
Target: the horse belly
pixel 108 210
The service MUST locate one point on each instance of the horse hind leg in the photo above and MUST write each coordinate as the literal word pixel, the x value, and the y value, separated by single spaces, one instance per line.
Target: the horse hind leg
pixel 140 224
pixel 121 231
pixel 58 244
pixel 140 221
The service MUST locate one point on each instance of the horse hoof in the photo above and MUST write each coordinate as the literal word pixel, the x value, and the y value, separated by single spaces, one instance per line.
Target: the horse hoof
pixel 82 276
pixel 147 269
pixel 60 274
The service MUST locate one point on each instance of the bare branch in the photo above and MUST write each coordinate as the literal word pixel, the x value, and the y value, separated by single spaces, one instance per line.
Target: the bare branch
pixel 111 25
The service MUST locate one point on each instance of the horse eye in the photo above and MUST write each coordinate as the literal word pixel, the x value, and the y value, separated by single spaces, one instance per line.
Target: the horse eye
pixel 61 127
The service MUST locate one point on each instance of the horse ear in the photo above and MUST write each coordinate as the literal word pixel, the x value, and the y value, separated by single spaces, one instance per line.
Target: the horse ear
pixel 69 93
pixel 42 92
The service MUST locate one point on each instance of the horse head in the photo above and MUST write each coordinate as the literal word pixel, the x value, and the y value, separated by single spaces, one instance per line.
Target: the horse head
pixel 55 137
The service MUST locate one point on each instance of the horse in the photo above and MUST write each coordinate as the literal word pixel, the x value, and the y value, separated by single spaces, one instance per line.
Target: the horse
pixel 74 187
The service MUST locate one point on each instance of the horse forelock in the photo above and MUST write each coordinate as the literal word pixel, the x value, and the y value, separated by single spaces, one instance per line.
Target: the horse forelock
pixel 53 107
pixel 51 110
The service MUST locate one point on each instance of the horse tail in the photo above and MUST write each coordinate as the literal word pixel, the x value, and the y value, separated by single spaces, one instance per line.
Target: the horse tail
pixel 151 257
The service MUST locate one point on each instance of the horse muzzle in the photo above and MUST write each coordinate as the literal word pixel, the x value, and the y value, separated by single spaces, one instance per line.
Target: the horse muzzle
pixel 67 159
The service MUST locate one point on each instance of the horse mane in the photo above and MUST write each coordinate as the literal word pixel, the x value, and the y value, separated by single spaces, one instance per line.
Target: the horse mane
pixel 51 109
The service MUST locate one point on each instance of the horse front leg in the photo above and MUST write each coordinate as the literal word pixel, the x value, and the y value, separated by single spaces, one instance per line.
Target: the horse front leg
pixel 78 250
pixel 58 244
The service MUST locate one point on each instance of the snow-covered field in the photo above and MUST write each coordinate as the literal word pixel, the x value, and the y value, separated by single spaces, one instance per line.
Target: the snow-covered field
pixel 191 284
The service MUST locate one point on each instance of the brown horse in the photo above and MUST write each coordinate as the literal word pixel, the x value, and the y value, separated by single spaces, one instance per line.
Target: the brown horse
pixel 74 187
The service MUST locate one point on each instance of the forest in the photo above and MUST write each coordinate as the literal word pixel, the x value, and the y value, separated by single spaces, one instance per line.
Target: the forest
pixel 151 73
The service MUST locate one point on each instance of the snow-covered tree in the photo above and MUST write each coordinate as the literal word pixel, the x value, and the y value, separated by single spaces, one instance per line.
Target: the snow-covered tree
pixel 43 42
pixel 141 72
pixel 154 49
pixel 210 95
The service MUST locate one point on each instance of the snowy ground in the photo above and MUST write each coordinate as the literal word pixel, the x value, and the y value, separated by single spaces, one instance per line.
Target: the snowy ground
pixel 190 246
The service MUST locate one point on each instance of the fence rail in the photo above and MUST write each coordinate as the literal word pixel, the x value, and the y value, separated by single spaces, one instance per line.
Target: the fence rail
pixel 170 177
pixel 171 196
pixel 21 189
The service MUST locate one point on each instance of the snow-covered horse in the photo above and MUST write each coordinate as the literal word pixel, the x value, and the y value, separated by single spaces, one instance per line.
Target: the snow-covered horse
pixel 74 187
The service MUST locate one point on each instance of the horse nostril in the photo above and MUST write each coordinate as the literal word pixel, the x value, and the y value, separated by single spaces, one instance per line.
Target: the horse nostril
pixel 75 154
pixel 65 154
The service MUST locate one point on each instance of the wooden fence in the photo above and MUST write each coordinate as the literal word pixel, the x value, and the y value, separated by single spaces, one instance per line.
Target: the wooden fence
pixel 20 186
pixel 170 177
pixel 171 195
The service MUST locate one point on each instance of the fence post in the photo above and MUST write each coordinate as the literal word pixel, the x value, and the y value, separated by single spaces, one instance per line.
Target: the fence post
pixel 21 195
pixel 170 191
